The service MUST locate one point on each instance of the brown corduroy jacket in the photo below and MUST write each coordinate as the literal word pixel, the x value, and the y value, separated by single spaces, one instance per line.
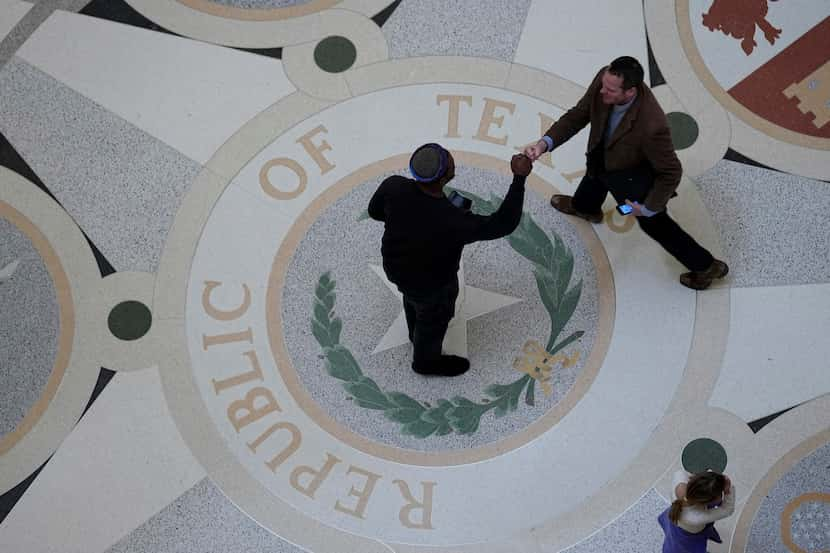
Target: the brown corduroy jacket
pixel 641 139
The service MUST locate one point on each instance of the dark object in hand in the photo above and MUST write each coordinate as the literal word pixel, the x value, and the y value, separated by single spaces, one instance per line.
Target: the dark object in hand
pixel 459 201
pixel 520 164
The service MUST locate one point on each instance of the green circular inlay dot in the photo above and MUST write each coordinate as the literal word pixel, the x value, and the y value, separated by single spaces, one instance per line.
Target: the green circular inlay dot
pixel 684 129
pixel 129 320
pixel 335 54
pixel 703 454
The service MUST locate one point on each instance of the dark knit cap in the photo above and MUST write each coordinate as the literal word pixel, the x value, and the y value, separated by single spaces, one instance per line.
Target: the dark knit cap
pixel 429 163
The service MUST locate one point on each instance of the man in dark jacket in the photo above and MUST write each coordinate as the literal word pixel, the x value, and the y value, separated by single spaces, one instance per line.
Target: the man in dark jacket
pixel 424 235
pixel 630 154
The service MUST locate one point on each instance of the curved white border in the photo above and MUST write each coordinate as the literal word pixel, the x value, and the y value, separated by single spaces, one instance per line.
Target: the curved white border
pixel 82 369
pixel 706 349
pixel 175 16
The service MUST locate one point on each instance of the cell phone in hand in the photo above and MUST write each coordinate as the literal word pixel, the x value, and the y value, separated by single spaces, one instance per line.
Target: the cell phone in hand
pixel 460 201
pixel 624 209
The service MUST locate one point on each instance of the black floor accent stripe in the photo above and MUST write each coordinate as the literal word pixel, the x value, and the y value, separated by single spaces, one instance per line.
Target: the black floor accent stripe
pixel 655 75
pixel 104 266
pixel 757 425
pixel 275 53
pixel 9 499
pixel 11 159
pixel 121 12
pixel 104 378
pixel 738 157
pixel 383 15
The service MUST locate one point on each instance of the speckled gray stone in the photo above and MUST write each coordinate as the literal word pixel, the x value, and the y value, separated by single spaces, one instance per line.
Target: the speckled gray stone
pixel 41 10
pixel 121 185
pixel 634 531
pixel 29 327
pixel 339 243
pixel 484 28
pixel 260 4
pixel 810 523
pixel 202 520
pixel 773 226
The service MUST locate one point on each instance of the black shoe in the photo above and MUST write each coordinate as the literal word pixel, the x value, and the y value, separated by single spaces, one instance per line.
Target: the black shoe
pixel 446 365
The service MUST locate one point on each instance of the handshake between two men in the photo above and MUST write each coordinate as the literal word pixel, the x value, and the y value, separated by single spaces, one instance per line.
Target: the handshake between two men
pixel 629 154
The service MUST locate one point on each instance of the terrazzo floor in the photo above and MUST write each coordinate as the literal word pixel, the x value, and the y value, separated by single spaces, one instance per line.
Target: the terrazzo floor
pixel 198 349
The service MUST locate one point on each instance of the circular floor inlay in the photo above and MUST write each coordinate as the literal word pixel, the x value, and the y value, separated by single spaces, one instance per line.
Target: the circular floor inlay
pixel 335 54
pixel 29 326
pixel 129 320
pixel 794 514
pixel 704 454
pixel 774 89
pixel 260 4
pixel 261 11
pixel 684 129
pixel 344 244
pixel 246 410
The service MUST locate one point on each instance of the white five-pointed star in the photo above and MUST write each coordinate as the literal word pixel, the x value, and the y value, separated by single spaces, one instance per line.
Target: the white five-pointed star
pixel 471 303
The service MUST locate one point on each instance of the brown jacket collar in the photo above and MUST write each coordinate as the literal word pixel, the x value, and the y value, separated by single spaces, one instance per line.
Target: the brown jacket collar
pixel 628 119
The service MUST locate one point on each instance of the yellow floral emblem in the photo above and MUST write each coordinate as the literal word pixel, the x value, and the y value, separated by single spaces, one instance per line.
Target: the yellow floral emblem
pixel 536 362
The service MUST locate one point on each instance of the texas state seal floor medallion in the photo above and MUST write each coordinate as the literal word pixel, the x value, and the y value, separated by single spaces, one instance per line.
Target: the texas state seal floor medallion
pixel 202 352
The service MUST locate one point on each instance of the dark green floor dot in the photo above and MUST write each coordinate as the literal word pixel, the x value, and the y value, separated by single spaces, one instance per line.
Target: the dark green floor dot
pixel 129 320
pixel 335 54
pixel 704 454
pixel 684 129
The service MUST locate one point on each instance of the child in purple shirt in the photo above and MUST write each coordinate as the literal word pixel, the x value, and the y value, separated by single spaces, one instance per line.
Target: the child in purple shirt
pixel 700 500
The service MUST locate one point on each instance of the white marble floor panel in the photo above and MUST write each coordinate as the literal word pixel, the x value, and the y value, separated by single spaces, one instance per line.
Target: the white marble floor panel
pixel 121 185
pixel 122 463
pixel 200 520
pixel 778 350
pixel 575 39
pixel 11 12
pixel 191 95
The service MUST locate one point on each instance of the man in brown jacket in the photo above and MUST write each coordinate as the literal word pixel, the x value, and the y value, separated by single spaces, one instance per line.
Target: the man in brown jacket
pixel 630 154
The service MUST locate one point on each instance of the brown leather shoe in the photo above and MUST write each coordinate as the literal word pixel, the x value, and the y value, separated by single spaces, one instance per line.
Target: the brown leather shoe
pixel 701 280
pixel 563 203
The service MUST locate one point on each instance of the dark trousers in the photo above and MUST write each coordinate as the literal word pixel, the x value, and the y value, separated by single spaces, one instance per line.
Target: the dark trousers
pixel 592 191
pixel 428 313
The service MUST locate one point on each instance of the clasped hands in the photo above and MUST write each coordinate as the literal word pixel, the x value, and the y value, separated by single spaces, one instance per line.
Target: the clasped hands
pixel 534 151
pixel 521 165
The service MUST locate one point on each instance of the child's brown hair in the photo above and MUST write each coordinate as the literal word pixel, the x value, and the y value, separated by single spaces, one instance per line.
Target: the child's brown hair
pixel 702 489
